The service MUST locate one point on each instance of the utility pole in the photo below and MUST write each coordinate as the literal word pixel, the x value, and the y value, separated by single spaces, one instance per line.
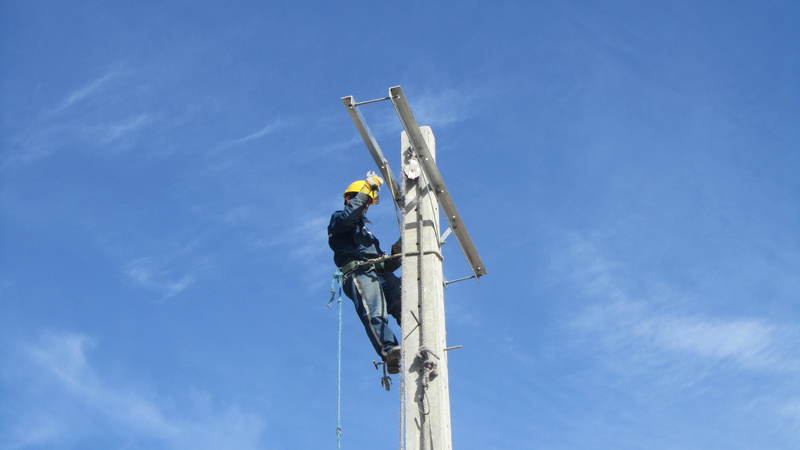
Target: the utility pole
pixel 425 420
pixel 425 393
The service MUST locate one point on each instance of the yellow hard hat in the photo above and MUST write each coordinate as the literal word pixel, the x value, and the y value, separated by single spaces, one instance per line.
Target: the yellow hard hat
pixel 362 186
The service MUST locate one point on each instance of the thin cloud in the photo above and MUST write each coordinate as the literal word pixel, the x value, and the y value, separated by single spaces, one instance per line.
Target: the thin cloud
pixel 312 237
pixel 305 244
pixel 444 107
pixel 263 131
pixel 83 92
pixel 65 125
pixel 109 133
pixel 790 409
pixel 34 146
pixel 750 343
pixel 154 276
pixel 305 241
pixel 42 141
pixel 632 327
pixel 61 362
pixel 311 154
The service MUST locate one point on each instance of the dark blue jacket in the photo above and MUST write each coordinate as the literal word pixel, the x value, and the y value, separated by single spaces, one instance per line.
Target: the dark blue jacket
pixel 348 235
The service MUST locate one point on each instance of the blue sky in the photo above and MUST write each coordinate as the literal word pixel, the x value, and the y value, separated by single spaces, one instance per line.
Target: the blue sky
pixel 628 171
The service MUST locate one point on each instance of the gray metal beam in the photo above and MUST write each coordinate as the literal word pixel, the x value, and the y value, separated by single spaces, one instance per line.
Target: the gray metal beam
pixel 435 178
pixel 372 146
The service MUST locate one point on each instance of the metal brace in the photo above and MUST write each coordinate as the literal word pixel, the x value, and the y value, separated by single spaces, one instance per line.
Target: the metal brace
pixel 445 235
pixel 365 102
pixel 446 283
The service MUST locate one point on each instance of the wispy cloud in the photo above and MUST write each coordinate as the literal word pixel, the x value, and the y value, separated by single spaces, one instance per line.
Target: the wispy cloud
pixel 318 151
pixel 111 132
pixel 636 331
pixel 790 409
pixel 267 129
pixel 304 240
pixel 45 139
pixel 304 243
pixel 311 234
pixel 159 277
pixel 60 363
pixel 445 107
pixel 170 271
pixel 750 343
pixel 99 125
pixel 83 92
pixel 32 146
pixel 639 328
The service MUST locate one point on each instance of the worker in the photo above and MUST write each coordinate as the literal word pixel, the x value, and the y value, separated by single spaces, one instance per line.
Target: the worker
pixel 372 286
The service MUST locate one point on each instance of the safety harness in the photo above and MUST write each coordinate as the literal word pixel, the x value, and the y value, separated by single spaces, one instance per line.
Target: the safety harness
pixel 352 266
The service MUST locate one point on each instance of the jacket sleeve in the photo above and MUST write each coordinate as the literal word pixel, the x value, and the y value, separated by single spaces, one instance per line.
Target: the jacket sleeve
pixel 349 216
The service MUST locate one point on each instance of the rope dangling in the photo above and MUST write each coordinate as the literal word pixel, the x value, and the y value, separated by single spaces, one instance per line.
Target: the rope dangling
pixel 336 289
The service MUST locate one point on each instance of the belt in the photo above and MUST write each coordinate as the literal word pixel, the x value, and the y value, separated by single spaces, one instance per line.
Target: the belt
pixel 377 263
pixel 352 266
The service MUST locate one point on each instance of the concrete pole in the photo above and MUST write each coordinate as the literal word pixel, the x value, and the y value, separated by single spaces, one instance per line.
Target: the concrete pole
pixel 425 401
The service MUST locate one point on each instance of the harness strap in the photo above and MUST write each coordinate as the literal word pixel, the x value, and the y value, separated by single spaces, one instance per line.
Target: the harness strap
pixel 348 268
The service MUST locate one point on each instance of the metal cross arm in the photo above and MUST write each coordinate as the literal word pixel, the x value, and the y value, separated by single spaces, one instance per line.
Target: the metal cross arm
pixel 435 178
pixel 372 144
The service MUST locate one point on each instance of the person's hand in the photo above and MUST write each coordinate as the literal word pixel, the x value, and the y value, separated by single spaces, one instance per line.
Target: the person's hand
pixel 374 180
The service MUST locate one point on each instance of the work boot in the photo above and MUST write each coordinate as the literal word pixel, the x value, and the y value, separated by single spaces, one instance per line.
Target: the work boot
pixel 392 359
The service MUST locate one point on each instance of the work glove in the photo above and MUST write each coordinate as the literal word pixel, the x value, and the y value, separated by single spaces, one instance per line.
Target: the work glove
pixel 373 180
pixel 397 247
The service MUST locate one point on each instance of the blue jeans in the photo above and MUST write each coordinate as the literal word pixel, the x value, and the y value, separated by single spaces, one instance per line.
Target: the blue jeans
pixel 375 294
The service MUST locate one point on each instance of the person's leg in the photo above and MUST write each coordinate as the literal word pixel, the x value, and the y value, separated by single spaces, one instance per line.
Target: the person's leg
pixel 365 291
pixel 392 290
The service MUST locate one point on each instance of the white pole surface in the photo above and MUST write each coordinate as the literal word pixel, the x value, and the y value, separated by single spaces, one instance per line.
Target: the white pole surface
pixel 425 415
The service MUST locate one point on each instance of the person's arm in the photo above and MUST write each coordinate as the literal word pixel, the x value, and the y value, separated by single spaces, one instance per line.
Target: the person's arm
pixel 394 264
pixel 352 212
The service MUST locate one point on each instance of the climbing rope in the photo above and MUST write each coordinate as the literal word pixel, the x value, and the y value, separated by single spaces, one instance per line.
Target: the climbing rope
pixel 336 290
pixel 336 295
